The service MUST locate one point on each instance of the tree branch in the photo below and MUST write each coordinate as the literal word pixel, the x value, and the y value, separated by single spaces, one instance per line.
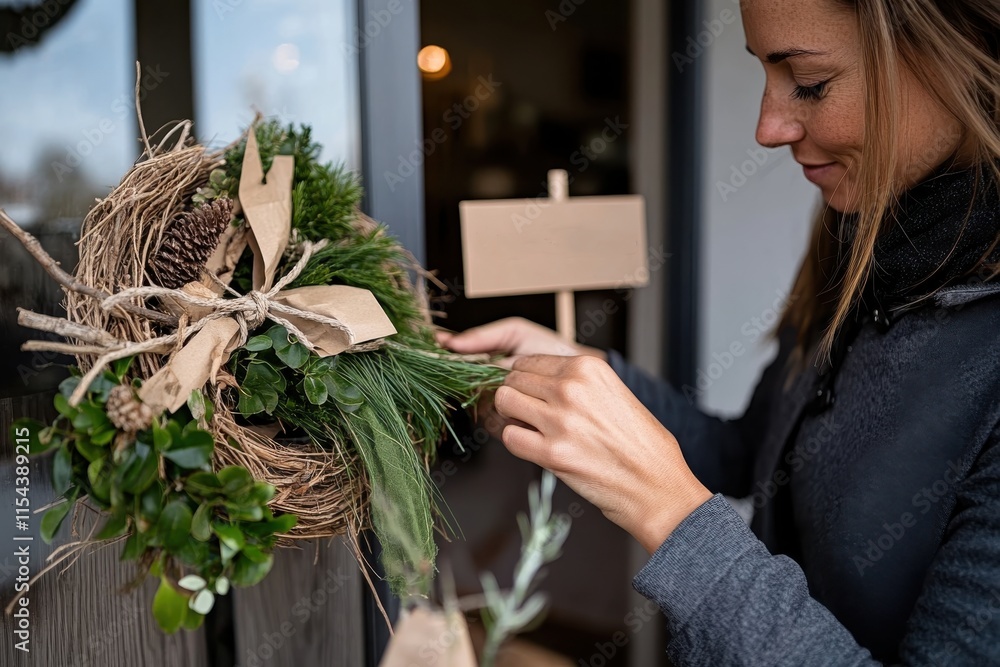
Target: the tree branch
pixel 52 267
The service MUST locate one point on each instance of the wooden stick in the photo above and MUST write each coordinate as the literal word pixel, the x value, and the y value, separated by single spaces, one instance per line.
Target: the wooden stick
pixel 566 316
pixel 65 328
pixel 62 348
pixel 161 345
pixel 565 301
pixel 138 109
pixel 52 267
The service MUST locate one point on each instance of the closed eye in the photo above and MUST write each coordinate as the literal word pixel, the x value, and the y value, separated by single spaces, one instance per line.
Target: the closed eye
pixel 810 92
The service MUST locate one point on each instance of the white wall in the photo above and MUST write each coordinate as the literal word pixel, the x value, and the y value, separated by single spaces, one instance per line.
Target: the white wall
pixel 754 228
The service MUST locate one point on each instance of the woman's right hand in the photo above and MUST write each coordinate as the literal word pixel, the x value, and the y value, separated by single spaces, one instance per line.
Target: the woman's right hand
pixel 513 337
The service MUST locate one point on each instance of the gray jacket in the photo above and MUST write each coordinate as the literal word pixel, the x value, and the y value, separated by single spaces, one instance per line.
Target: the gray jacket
pixel 886 506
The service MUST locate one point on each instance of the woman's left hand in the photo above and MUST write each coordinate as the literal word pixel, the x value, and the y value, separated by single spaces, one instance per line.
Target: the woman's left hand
pixel 575 417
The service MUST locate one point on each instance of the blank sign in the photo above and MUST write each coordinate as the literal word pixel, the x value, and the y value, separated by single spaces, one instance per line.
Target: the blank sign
pixel 537 246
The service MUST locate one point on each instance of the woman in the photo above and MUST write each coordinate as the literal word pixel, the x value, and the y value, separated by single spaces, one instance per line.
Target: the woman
pixel 871 447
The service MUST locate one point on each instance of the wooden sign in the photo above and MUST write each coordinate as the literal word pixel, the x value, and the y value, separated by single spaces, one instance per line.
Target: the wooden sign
pixel 560 244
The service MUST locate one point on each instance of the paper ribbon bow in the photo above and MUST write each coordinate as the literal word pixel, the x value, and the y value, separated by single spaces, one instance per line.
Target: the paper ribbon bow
pixel 328 319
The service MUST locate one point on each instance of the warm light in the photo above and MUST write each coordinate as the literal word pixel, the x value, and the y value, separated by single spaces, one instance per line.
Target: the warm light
pixel 434 62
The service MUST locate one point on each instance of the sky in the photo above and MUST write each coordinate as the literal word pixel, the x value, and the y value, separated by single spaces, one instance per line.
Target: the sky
pixel 73 94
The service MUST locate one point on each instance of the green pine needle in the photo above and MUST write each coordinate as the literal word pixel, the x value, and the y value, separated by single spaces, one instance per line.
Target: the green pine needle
pixel 409 387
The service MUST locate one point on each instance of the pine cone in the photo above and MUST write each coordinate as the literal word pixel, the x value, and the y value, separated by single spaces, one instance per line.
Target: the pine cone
pixel 126 411
pixel 189 241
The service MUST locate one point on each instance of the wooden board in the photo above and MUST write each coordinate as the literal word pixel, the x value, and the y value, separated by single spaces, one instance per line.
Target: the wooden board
pixel 308 611
pixel 542 246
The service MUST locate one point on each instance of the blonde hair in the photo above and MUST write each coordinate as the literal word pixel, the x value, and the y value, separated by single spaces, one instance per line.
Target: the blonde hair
pixel 953 50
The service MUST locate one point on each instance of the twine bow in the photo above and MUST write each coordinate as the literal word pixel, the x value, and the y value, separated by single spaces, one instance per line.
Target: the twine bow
pixel 327 319
pixel 249 310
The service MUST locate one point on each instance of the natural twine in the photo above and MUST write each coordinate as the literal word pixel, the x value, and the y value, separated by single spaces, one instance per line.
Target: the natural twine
pixel 250 310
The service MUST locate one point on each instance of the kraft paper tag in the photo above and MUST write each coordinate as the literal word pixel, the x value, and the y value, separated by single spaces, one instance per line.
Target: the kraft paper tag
pixel 355 307
pixel 267 208
pixel 426 638
pixel 191 367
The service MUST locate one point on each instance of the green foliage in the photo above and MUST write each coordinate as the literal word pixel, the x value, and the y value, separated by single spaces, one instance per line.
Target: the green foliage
pixel 216 525
pixel 389 406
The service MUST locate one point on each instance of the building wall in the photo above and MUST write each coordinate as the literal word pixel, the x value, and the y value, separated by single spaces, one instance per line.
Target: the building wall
pixel 757 213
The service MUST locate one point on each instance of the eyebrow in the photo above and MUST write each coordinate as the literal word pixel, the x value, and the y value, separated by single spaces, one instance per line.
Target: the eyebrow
pixel 776 57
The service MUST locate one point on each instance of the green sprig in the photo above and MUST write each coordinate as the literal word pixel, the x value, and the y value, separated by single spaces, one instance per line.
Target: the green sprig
pixel 216 526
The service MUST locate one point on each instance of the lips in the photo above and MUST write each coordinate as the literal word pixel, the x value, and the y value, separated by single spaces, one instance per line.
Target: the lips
pixel 817 173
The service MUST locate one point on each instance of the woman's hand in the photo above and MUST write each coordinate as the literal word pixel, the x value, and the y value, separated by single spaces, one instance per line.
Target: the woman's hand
pixel 574 416
pixel 514 337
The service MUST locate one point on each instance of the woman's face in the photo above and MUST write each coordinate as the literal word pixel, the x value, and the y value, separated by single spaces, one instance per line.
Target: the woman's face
pixel 814 103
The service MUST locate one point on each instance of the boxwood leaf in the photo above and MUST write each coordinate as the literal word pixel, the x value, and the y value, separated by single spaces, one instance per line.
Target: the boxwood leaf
pixel 203 483
pixel 99 475
pixel 283 523
pixel 259 343
pixel 103 435
pixel 150 503
pixel 174 525
pixel 248 573
pixel 67 387
pixel 120 367
pixel 236 481
pixel 114 526
pixel 62 469
pixel 279 337
pixel 161 437
pixel 294 356
pixel 53 518
pixel 230 535
pixel 139 469
pixel 193 451
pixel 88 449
pixel 135 545
pixel 250 403
pixel 202 602
pixel 169 607
pixel 192 620
pixel 201 525
pixel 315 390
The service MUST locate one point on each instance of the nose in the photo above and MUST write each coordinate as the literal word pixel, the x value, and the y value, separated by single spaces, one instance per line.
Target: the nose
pixel 778 124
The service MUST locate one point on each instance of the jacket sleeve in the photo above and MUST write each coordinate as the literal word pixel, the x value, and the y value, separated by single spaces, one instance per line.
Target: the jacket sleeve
pixel 730 602
pixel 720 452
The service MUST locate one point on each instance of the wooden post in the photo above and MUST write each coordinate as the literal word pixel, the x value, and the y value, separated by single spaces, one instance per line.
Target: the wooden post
pixel 565 299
